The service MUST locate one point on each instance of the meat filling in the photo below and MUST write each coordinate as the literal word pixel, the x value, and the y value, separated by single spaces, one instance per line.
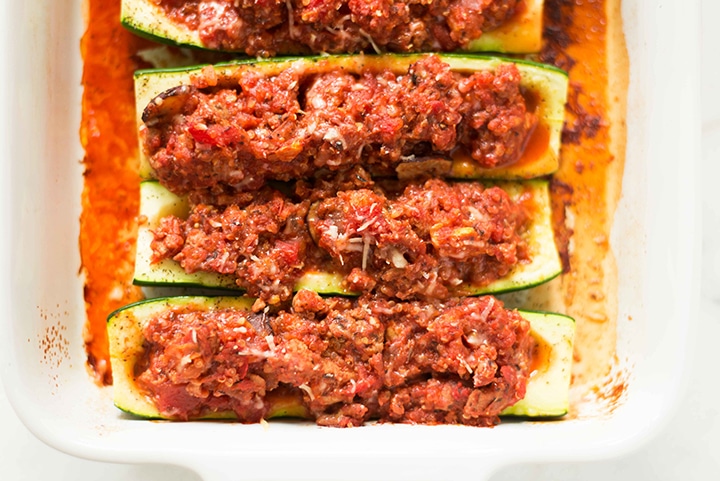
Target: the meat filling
pixel 268 27
pixel 429 240
pixel 265 244
pixel 210 139
pixel 345 361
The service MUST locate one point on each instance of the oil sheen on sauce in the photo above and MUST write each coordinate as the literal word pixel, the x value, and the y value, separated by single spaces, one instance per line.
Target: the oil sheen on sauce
pixel 585 190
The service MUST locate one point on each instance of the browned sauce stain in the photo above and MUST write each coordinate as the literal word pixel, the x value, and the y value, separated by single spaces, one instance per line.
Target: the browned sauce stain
pixel 53 342
pixel 561 197
pixel 581 123
pixel 612 393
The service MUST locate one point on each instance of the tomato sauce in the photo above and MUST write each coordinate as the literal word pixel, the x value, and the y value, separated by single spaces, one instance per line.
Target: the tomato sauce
pixel 578 39
pixel 111 190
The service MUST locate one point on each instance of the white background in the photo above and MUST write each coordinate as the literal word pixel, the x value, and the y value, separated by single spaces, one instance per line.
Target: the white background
pixel 687 448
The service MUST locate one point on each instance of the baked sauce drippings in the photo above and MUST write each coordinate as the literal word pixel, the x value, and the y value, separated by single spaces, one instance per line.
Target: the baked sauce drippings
pixel 579 39
pixel 536 145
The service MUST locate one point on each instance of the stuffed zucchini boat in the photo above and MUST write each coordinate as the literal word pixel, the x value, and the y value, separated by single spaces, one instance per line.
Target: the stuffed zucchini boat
pixel 238 125
pixel 293 27
pixel 403 262
pixel 208 358
pixel 156 203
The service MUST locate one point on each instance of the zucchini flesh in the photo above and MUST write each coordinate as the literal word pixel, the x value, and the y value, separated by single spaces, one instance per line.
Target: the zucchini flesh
pixel 547 85
pixel 157 202
pixel 547 388
pixel 520 34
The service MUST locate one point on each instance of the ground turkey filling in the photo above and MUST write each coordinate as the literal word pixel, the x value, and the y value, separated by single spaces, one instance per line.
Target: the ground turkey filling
pixel 269 27
pixel 342 361
pixel 204 138
pixel 428 240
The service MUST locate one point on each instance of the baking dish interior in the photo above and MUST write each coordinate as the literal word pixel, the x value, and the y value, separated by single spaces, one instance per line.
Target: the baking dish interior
pixel 43 360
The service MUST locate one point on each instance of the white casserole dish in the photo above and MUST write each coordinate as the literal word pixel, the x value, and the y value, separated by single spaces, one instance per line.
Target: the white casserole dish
pixel 43 360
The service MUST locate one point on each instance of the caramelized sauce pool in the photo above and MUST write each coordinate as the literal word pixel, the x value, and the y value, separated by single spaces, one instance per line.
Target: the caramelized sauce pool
pixel 539 139
pixel 536 145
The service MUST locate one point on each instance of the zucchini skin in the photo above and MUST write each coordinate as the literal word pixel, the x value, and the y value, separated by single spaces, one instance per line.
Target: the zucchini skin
pixel 546 395
pixel 157 202
pixel 549 85
pixel 520 34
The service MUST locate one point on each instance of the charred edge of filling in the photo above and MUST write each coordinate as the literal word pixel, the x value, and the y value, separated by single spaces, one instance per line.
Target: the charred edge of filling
pixel 340 362
pixel 342 26
pixel 406 240
pixel 208 139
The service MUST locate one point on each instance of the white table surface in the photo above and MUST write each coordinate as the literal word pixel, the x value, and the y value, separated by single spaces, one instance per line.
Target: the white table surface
pixel 687 448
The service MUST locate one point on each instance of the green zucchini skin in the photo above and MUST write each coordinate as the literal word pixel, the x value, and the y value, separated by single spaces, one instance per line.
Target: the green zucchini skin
pixel 521 34
pixel 157 202
pixel 547 388
pixel 547 84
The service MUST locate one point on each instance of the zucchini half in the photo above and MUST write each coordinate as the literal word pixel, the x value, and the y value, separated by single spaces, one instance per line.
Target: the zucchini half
pixel 521 34
pixel 157 202
pixel 547 388
pixel 546 86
